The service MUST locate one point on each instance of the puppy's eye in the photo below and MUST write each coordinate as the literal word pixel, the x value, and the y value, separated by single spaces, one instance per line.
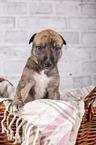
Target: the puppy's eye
pixel 57 49
pixel 39 48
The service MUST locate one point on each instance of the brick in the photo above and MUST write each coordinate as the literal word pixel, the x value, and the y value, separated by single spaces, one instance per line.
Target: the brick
pixel 89 67
pixel 85 53
pixel 77 54
pixel 41 8
pixel 89 38
pixel 13 67
pixel 7 22
pixel 89 1
pixel 94 53
pixel 0 9
pixel 65 82
pixel 15 8
pixel 69 67
pixel 89 9
pixel 20 52
pixel 68 8
pixel 1 37
pixel 0 67
pixel 88 52
pixel 3 0
pixel 94 80
pixel 83 23
pixel 72 60
pixel 16 37
pixel 82 81
pixel 71 37
pixel 42 22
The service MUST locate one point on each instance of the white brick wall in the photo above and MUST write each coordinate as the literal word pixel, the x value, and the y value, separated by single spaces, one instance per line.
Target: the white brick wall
pixel 75 20
pixel 15 8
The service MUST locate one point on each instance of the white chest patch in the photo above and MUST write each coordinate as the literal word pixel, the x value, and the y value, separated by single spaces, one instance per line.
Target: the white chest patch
pixel 41 84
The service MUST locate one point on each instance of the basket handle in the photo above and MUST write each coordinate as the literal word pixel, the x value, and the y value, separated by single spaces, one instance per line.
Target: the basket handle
pixel 89 102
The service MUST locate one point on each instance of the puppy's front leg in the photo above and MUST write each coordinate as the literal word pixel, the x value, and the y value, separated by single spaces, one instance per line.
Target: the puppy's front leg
pixel 53 93
pixel 22 92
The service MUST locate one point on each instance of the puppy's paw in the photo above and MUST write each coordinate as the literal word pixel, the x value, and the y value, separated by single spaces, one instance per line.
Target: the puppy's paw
pixel 17 105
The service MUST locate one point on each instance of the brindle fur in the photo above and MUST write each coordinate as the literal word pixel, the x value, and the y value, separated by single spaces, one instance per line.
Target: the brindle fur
pixel 48 40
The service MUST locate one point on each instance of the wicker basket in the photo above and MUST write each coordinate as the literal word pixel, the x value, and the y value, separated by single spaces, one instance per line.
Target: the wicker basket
pixel 87 131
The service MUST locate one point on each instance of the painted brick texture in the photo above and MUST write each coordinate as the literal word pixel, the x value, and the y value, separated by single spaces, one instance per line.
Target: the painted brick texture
pixel 75 20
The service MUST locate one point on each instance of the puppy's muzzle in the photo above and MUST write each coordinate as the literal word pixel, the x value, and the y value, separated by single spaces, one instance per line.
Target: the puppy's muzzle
pixel 48 64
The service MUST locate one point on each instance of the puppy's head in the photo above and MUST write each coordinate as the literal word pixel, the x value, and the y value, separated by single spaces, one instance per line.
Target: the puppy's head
pixel 47 48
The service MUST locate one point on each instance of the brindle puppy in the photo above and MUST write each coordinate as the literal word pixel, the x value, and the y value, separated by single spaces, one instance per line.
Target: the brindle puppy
pixel 40 78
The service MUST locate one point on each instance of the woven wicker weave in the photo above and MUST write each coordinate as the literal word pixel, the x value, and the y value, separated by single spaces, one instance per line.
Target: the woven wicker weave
pixel 87 131
pixel 3 136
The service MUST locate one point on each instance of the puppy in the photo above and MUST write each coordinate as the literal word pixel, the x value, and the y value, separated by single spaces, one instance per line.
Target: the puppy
pixel 40 78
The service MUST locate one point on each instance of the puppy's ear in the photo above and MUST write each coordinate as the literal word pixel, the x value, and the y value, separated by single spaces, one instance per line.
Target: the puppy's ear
pixel 32 38
pixel 64 42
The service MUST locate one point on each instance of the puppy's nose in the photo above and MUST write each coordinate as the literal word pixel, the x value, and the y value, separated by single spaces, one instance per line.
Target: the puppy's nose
pixel 48 63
